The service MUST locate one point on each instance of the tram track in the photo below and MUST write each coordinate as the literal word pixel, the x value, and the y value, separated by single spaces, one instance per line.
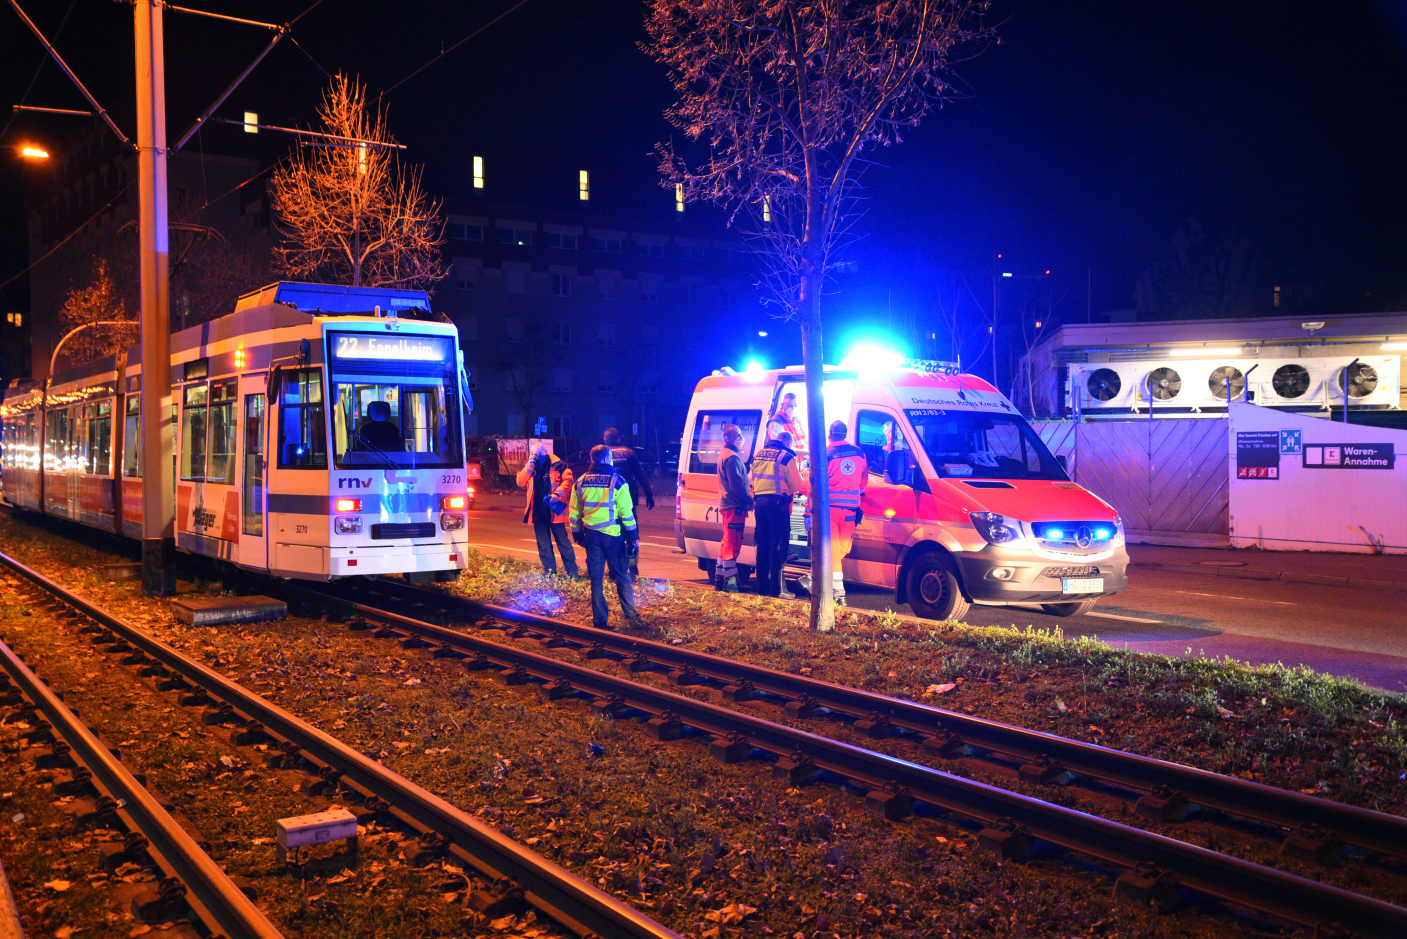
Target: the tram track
pixel 193 877
pixel 513 872
pixel 1158 866
pixel 1169 790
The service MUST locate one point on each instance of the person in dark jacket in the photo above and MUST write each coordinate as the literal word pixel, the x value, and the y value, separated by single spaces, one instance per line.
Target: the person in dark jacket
pixel 627 465
pixel 734 502
pixel 549 483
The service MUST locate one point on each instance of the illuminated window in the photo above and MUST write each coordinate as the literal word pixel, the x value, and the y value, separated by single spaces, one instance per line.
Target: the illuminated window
pixel 478 172
pixel 15 319
pixel 251 122
pixel 766 208
pixel 679 197
pixel 1276 299
pixel 583 186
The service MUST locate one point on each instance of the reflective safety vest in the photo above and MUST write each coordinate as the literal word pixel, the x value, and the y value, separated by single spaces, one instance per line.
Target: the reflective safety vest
pixel 601 502
pixel 848 472
pixel 769 470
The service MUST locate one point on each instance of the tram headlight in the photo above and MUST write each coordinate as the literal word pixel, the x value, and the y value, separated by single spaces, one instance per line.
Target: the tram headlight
pixel 451 522
pixel 348 524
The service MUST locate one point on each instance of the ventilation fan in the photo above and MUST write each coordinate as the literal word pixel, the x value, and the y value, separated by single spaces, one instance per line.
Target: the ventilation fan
pixel 1217 382
pixel 1164 383
pixel 1103 384
pixel 1290 381
pixel 1362 380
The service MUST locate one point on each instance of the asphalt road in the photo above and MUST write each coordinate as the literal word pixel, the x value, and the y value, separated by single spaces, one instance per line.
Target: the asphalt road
pixel 1347 631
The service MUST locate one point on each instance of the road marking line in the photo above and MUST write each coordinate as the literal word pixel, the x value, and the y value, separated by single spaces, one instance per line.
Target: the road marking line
pixel 1227 596
pixel 1131 619
pixel 498 547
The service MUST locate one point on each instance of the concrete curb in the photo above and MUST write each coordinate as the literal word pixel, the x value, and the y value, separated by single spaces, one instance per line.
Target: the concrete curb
pixel 1251 573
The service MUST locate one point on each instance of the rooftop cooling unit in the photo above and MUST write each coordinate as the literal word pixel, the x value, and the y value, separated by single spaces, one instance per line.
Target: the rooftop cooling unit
pixel 1319 382
pixel 1103 387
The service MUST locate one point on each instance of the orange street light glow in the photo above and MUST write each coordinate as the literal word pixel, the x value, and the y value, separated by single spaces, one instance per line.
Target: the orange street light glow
pixel 34 153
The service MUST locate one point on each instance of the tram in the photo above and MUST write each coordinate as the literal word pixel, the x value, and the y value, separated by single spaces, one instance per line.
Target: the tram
pixel 317 433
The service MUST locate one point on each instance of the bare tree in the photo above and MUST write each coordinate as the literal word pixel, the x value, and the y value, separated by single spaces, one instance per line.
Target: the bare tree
pixel 92 310
pixel 788 95
pixel 351 213
pixel 527 369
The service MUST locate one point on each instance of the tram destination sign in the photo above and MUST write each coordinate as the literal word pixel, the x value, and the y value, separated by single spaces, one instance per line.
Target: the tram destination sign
pixel 392 348
pixel 1349 456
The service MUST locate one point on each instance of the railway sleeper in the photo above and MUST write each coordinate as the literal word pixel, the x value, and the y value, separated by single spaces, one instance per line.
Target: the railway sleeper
pixel 892 802
pixel 798 769
pixel 1148 887
pixel 1044 770
pixel 555 690
pixel 1005 840
pixel 1164 804
pixel 499 899
pixel 733 747
pixel 1315 844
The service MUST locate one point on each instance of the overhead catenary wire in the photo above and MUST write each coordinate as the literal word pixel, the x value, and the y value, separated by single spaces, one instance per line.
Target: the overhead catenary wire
pixel 30 87
pixel 445 52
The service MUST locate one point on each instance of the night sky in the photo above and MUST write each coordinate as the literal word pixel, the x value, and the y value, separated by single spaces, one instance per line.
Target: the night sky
pixel 1086 138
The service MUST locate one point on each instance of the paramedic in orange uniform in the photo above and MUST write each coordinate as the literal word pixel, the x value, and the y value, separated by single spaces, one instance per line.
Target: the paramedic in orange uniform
pixel 784 422
pixel 847 472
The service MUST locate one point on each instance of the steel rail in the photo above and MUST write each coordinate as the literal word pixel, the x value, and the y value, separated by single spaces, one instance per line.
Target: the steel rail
pixel 1366 828
pixel 562 895
pixel 212 895
pixel 1289 896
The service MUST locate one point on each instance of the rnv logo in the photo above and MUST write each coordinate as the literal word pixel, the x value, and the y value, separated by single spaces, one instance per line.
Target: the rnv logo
pixel 351 482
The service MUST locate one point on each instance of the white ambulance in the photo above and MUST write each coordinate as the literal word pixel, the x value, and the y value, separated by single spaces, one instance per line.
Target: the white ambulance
pixel 965 504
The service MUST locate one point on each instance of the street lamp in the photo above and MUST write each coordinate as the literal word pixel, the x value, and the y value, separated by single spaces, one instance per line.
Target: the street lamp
pixel 34 153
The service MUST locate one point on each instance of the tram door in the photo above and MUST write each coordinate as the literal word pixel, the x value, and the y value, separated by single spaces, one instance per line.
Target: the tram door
pixel 253 473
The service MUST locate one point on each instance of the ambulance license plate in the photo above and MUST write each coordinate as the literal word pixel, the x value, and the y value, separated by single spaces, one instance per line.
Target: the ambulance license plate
pixel 1082 584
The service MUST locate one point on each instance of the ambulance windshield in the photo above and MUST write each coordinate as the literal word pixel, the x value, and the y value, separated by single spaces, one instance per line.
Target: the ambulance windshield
pixel 968 444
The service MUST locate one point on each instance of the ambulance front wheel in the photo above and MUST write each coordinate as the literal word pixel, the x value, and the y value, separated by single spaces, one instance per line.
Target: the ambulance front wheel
pixel 1077 608
pixel 933 589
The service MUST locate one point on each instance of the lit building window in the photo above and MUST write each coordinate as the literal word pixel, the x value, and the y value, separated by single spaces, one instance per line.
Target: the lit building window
pixel 15 319
pixel 679 197
pixel 583 186
pixel 1276 299
pixel 251 122
pixel 767 208
pixel 478 172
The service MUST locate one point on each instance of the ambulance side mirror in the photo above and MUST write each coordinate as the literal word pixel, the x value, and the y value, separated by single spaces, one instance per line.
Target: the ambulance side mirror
pixel 1064 462
pixel 899 467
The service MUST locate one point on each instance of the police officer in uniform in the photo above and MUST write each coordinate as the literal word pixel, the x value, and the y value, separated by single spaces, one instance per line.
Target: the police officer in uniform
pixel 627 464
pixel 603 522
pixel 776 479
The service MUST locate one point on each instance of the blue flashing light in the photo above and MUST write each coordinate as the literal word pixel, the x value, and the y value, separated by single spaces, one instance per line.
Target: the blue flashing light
pixel 1054 534
pixel 868 357
pixel 754 368
pixel 1101 533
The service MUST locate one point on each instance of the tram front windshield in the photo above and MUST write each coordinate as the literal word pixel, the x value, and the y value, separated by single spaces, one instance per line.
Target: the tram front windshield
pixel 395 401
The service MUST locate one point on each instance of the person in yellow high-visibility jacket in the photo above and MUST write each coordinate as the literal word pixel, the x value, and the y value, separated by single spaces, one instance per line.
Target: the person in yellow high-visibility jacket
pixel 603 522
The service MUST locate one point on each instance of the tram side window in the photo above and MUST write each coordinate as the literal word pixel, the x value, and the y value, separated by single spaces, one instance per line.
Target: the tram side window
pixel 97 420
pixel 131 466
pixel 194 416
pixel 223 424
pixel 56 441
pixel 302 434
